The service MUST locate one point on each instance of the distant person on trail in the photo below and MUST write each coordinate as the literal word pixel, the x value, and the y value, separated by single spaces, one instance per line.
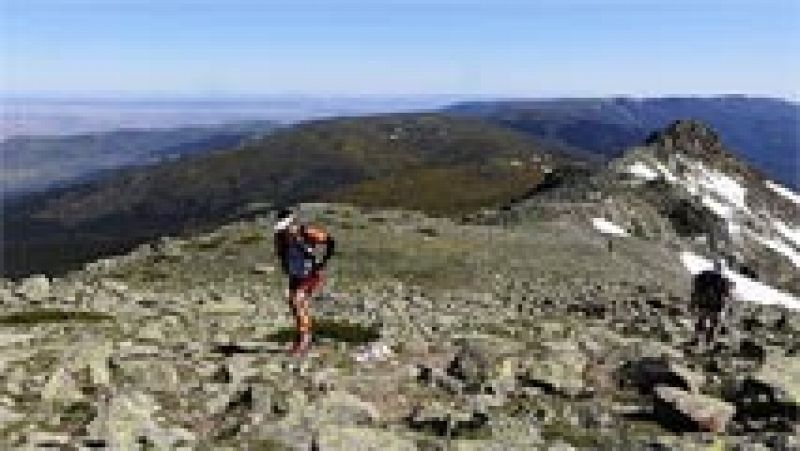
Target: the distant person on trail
pixel 302 258
pixel 710 295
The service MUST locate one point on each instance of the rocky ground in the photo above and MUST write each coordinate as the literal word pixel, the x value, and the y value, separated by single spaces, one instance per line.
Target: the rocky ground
pixel 535 334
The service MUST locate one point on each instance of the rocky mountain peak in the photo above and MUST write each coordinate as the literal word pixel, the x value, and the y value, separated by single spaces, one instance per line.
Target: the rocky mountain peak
pixel 691 137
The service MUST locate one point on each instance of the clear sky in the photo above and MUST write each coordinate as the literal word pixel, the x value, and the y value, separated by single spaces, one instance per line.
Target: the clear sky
pixel 401 47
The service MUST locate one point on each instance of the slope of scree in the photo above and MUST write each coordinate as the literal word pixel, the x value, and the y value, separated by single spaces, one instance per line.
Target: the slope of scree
pixel 434 335
pixel 360 160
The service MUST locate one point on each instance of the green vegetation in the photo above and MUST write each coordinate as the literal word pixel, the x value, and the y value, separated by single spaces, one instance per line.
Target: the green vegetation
pixel 267 444
pixel 52 316
pixel 410 256
pixel 325 329
pixel 78 413
pixel 430 162
pixel 444 190
pixel 250 238
pixel 575 436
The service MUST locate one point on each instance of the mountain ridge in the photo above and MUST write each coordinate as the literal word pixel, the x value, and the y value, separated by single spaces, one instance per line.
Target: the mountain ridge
pixel 763 131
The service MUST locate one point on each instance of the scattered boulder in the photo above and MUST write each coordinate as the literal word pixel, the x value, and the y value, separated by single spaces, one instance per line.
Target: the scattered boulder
pixel 481 361
pixel 783 374
pixel 61 386
pixel 559 368
pixel 682 411
pixel 441 421
pixel 647 373
pixel 761 407
pixel 124 419
pixel 34 288
pixel 471 364
pixel 361 438
pixel 263 269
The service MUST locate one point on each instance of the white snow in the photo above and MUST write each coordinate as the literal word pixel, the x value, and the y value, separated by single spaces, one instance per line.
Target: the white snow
pixel 722 186
pixel 781 248
pixel 783 192
pixel 668 176
pixel 710 184
pixel 718 208
pixel 790 233
pixel 721 194
pixel 605 226
pixel 744 289
pixel 642 170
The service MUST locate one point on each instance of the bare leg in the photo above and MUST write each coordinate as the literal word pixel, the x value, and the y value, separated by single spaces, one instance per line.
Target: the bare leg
pixel 303 321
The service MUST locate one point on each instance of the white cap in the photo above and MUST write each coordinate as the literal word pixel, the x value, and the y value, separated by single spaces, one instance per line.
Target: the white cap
pixel 283 223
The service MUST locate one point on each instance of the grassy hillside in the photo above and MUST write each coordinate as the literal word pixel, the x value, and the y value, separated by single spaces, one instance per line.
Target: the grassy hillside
pixel 456 165
pixel 445 190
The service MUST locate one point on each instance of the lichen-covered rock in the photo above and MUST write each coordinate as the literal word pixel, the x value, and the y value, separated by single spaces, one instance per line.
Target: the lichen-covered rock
pixel 686 411
pixel 126 418
pixel 34 288
pixel 783 373
pixel 559 366
pixel 61 386
pixel 361 438
pixel 648 373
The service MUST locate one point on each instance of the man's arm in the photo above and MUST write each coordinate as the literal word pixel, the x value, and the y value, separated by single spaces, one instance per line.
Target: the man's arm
pixel 330 247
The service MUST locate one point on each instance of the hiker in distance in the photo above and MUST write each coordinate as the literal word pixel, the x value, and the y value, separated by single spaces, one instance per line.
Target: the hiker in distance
pixel 304 251
pixel 711 293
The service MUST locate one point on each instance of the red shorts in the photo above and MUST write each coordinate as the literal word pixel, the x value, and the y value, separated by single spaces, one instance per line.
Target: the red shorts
pixel 307 284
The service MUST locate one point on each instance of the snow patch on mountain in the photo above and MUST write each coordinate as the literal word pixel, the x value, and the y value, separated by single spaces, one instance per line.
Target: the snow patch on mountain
pixel 745 289
pixel 665 173
pixel 781 248
pixel 607 227
pixel 789 233
pixel 783 192
pixel 726 197
pixel 709 183
pixel 641 170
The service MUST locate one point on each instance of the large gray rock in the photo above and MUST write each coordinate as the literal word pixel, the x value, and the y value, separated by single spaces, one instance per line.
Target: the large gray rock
pixel 61 387
pixel 783 373
pixel 361 438
pixel 440 420
pixel 647 373
pixel 480 360
pixel 34 288
pixel 682 410
pixel 560 366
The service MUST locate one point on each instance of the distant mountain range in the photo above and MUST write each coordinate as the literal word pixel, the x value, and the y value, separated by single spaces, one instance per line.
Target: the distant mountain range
pixel 764 132
pixel 35 163
pixel 85 200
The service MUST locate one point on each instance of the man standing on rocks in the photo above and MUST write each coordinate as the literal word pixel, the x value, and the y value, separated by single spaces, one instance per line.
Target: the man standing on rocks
pixel 299 247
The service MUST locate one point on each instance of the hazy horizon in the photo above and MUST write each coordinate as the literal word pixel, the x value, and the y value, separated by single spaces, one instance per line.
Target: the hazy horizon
pixel 346 48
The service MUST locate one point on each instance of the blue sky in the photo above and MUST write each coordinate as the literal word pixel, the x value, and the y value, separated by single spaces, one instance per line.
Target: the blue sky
pixel 401 47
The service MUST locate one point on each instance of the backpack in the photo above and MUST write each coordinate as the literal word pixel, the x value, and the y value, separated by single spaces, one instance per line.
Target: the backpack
pixel 710 290
pixel 298 256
